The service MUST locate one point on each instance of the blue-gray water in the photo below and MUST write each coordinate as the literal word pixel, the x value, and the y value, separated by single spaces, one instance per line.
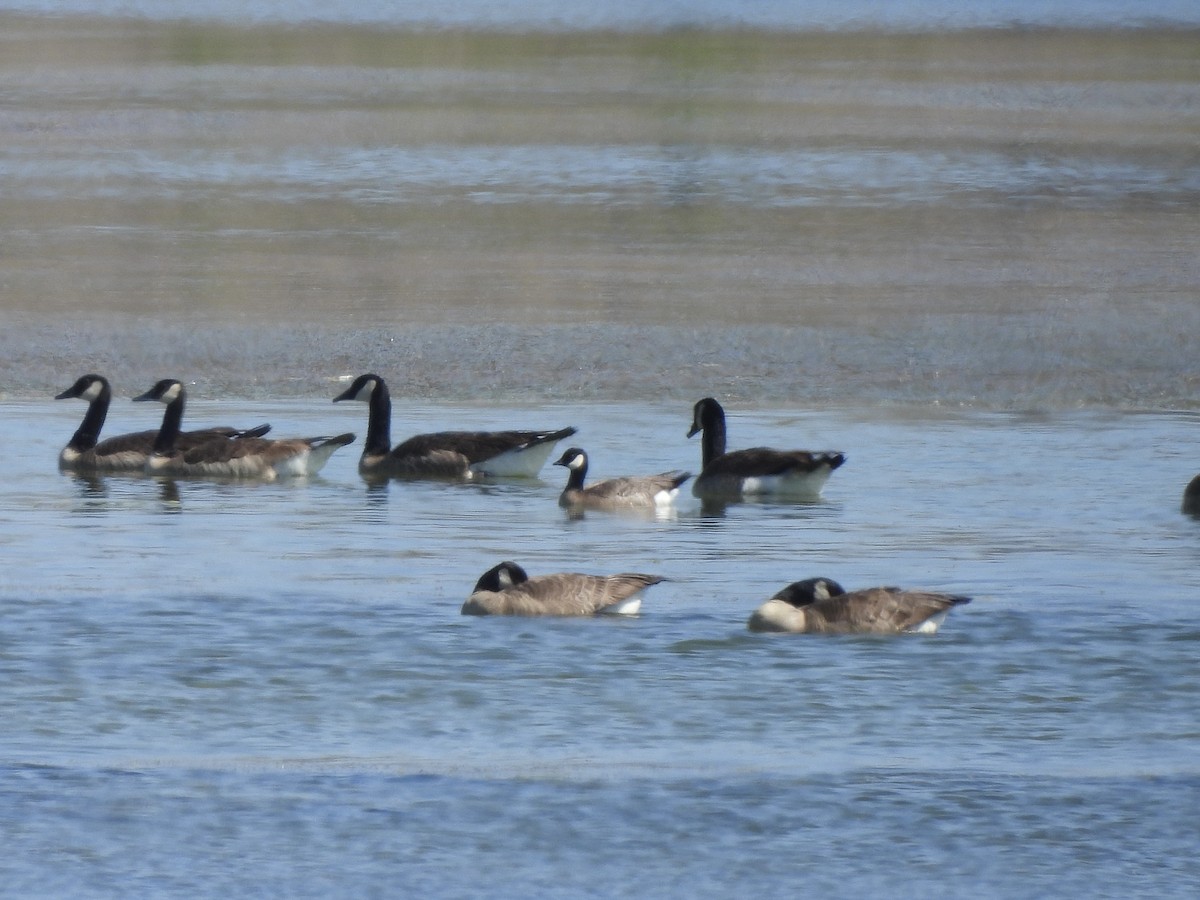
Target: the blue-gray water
pixel 967 259
pixel 232 688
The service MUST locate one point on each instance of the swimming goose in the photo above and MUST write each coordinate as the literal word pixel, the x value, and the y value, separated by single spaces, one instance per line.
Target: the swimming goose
pixel 505 590
pixel 125 452
pixel 822 606
pixel 258 458
pixel 446 454
pixel 798 474
pixel 1191 498
pixel 616 493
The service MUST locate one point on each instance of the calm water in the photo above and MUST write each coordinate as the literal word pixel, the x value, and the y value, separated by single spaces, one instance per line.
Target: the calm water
pixel 967 259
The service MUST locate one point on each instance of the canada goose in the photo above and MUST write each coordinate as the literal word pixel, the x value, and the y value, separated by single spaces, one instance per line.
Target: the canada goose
pixel 1191 498
pixel 505 590
pixel 125 452
pixel 258 458
pixel 445 454
pixel 822 606
pixel 798 474
pixel 616 493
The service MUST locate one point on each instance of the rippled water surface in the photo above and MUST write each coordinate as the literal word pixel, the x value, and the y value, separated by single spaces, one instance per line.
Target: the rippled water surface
pixel 964 258
pixel 209 687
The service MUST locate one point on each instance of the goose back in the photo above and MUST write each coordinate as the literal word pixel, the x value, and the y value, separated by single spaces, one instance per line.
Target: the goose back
pixel 256 458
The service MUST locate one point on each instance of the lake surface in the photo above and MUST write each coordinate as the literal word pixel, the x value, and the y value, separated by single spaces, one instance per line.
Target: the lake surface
pixel 966 258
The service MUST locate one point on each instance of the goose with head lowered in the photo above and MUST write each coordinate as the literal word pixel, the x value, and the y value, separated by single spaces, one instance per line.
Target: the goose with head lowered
pixel 457 455
pixel 85 452
pixel 506 590
pixel 621 492
pixel 758 471
pixel 822 606
pixel 261 459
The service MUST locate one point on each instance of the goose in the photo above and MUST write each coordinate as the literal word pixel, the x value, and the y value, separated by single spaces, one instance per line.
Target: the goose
pixel 616 493
pixel 258 458
pixel 1191 498
pixel 506 590
pixel 822 606
pixel 798 474
pixel 460 455
pixel 125 452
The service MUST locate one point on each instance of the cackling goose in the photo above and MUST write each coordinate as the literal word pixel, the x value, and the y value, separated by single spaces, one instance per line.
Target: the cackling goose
pixel 616 493
pixel 822 606
pixel 505 590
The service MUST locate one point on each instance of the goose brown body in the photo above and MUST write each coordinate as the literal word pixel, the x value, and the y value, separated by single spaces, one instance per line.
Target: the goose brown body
pixel 454 455
pixel 506 590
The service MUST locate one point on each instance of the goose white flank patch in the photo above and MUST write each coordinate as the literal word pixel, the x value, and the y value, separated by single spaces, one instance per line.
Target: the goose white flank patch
pixel 758 471
pixel 85 452
pixel 459 455
pixel 250 458
pixel 506 590
pixel 822 606
pixel 623 492
pixel 1191 497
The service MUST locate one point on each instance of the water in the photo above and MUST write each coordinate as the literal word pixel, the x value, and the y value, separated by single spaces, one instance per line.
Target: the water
pixel 965 259
pixel 216 687
pixel 641 14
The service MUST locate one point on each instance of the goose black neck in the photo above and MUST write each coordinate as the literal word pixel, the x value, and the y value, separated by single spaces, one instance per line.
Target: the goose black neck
pixel 168 432
pixel 575 477
pixel 712 438
pixel 88 433
pixel 379 421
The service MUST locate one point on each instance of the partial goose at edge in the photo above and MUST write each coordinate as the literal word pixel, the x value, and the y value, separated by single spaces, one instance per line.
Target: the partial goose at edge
pixel 822 606
pixel 506 590
pixel 1191 498
pixel 757 471
pixel 85 452
pixel 458 455
pixel 247 458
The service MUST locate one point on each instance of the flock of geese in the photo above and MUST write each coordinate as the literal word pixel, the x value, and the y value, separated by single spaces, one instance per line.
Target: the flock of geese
pixel 815 605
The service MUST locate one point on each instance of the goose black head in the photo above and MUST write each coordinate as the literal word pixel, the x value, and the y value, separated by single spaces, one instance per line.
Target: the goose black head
pixel 809 591
pixel 87 387
pixel 505 575
pixel 362 389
